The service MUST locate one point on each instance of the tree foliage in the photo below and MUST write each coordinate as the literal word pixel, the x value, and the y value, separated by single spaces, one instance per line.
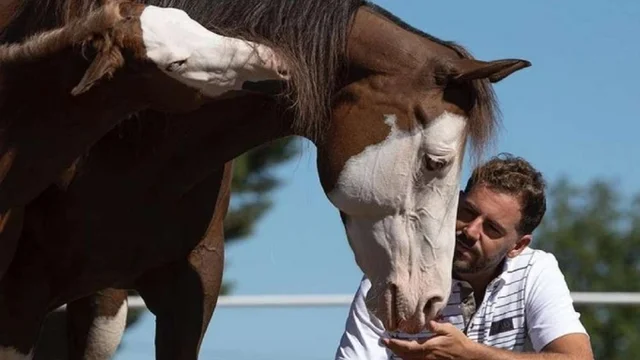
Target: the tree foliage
pixel 594 232
pixel 253 182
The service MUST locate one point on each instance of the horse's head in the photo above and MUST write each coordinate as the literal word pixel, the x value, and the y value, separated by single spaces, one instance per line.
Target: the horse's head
pixel 391 160
pixel 179 51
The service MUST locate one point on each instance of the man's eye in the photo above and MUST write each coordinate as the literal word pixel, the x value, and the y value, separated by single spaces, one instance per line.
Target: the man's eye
pixel 492 231
pixel 466 215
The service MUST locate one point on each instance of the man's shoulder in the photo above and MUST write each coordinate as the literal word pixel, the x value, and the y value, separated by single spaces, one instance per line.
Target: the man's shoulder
pixel 530 267
pixel 541 268
pixel 534 258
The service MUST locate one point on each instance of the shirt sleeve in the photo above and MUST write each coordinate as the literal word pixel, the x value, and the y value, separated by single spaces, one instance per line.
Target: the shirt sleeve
pixel 549 307
pixel 361 338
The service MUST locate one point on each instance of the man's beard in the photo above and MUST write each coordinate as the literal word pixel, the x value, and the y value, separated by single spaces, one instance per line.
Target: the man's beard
pixel 478 262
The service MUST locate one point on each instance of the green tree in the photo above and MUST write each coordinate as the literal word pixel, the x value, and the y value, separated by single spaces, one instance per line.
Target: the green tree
pixel 253 182
pixel 594 231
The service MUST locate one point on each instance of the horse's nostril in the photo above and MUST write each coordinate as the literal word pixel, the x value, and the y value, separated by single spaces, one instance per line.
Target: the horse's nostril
pixel 432 306
pixel 394 289
pixel 394 313
pixel 394 303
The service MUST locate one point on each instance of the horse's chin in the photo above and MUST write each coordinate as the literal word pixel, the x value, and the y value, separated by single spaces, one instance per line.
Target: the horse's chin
pixel 390 307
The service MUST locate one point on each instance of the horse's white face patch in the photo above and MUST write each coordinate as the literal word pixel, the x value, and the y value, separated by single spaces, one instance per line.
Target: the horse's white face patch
pixel 202 59
pixel 10 353
pixel 401 211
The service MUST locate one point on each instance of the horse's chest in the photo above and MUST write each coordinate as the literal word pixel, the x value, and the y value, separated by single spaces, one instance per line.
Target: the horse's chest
pixel 100 238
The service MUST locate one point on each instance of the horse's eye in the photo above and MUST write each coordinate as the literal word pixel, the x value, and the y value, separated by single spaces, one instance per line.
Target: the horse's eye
pixel 435 164
pixel 176 66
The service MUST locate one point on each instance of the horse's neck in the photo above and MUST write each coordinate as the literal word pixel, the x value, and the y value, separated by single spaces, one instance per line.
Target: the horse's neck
pixel 9 9
pixel 205 138
pixel 21 18
pixel 235 125
pixel 378 44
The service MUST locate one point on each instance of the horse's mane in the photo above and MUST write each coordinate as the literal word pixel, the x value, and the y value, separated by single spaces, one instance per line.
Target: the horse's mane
pixel 311 35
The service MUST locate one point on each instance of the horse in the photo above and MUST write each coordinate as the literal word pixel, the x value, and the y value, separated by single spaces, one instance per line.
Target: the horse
pixel 26 138
pixel 141 183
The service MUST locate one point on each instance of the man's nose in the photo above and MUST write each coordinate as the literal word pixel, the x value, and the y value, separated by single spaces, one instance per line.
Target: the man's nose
pixel 474 229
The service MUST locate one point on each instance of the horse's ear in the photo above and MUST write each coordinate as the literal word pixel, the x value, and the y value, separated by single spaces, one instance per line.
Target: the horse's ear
pixel 106 62
pixel 470 69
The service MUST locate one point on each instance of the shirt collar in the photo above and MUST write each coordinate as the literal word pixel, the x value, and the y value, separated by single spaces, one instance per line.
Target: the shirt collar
pixel 509 267
pixel 506 275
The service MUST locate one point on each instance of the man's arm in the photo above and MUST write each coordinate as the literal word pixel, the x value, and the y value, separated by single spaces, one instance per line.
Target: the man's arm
pixel 554 326
pixel 450 343
pixel 567 347
pixel 555 329
pixel 361 338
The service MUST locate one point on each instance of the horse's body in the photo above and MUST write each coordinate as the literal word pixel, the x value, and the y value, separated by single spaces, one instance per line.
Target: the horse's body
pixel 140 205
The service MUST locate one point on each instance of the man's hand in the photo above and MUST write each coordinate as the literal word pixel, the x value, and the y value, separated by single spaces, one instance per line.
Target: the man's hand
pixel 447 343
pixel 450 343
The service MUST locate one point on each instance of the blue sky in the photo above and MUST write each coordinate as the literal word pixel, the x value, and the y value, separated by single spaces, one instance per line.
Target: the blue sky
pixel 574 113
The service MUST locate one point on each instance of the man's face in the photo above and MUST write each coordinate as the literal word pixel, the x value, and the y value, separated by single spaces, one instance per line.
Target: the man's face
pixel 485 229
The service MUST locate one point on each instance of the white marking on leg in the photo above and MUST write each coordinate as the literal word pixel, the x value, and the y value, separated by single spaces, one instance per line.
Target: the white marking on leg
pixel 195 56
pixel 10 353
pixel 105 334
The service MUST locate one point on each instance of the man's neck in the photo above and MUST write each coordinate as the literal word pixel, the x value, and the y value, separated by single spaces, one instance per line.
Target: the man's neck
pixel 480 280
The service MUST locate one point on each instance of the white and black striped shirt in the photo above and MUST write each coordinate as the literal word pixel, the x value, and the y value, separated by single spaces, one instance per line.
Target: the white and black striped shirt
pixel 525 308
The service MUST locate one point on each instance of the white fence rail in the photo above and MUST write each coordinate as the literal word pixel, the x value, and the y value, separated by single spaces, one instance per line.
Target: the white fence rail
pixel 340 300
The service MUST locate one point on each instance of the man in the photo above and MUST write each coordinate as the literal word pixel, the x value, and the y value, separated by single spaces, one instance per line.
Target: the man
pixel 506 298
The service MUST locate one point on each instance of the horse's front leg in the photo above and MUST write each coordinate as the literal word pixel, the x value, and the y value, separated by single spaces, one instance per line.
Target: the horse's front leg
pixel 24 300
pixel 183 295
pixel 10 228
pixel 95 325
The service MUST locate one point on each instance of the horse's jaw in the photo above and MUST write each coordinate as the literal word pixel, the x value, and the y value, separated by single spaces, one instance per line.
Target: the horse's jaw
pixel 410 272
pixel 400 220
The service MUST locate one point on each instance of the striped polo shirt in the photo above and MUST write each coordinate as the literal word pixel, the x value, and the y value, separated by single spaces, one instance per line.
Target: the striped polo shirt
pixel 524 308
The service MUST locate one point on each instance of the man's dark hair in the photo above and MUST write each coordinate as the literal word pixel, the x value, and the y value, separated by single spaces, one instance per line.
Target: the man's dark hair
pixel 515 176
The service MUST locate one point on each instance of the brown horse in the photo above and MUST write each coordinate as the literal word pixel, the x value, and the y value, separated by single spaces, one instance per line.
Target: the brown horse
pixel 140 204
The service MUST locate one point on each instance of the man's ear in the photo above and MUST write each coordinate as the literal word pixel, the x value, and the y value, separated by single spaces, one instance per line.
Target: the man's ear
pixel 520 245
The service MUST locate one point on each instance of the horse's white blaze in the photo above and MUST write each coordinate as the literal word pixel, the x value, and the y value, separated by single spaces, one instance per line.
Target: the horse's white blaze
pixel 10 353
pixel 105 334
pixel 188 52
pixel 401 216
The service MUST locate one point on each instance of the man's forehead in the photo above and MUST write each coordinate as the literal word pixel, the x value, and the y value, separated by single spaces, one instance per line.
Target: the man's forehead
pixel 497 205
